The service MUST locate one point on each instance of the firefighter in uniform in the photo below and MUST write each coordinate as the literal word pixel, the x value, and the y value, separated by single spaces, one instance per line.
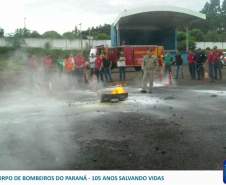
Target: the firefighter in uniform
pixel 149 65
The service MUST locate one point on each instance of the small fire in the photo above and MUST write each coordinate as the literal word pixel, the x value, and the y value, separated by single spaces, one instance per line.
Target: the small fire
pixel 119 90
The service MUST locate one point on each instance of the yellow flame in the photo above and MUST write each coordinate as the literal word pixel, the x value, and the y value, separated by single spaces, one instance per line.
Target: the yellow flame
pixel 118 90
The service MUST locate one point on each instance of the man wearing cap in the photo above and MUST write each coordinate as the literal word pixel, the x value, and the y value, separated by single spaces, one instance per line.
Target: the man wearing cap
pixel 148 66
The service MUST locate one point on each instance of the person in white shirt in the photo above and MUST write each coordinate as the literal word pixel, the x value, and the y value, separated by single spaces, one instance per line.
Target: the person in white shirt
pixel 121 64
pixel 92 60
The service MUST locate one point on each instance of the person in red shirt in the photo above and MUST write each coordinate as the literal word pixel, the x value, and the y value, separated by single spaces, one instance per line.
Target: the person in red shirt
pixel 192 64
pixel 216 57
pixel 80 68
pixel 99 67
pixel 48 63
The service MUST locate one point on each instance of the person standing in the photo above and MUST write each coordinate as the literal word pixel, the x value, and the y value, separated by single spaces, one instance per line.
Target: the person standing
pixel 179 64
pixel 107 68
pixel 200 59
pixel 192 64
pixel 48 70
pixel 92 60
pixel 99 68
pixel 148 66
pixel 121 64
pixel 81 67
pixel 168 61
pixel 161 66
pixel 211 64
pixel 60 64
pixel 221 63
pixel 69 64
pixel 217 63
pixel 33 69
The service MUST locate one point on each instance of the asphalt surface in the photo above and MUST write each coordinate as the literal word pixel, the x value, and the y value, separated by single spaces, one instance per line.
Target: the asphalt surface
pixel 179 127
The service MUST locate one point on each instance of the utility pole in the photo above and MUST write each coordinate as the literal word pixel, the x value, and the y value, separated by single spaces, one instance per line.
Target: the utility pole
pixel 81 36
pixel 24 33
pixel 89 39
pixel 187 39
pixel 25 22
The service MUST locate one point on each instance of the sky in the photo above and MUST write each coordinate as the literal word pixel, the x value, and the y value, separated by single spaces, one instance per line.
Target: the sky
pixel 64 15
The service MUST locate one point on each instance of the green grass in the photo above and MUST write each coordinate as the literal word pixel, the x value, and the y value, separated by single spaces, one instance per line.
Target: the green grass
pixel 10 65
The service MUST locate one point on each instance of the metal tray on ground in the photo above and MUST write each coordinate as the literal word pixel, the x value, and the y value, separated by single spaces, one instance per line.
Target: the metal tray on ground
pixel 108 97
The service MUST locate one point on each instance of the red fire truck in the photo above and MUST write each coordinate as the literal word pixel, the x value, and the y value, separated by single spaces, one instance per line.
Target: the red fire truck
pixel 133 54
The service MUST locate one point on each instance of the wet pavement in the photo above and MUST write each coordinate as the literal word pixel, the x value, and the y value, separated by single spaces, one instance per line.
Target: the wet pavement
pixel 175 128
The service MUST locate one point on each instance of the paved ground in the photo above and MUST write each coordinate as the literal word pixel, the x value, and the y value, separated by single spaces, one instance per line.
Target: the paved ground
pixel 182 127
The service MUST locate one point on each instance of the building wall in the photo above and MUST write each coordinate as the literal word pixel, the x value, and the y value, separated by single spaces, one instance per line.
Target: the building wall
pixel 59 43
pixel 204 45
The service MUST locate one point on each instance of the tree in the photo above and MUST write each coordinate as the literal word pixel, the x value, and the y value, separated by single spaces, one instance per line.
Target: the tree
pixel 206 8
pixel 35 34
pixel 51 34
pixel 102 36
pixel 22 33
pixel 223 37
pixel 181 36
pixel 197 35
pixel 215 6
pixel 1 32
pixel 223 8
pixel 95 31
pixel 17 39
pixel 213 15
pixel 193 35
pixel 223 13
pixel 70 35
pixel 211 36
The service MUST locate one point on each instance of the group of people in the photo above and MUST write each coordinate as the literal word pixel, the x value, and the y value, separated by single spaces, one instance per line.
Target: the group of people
pixel 37 65
pixel 196 60
pixel 215 61
pixel 74 66
pixel 199 58
pixel 43 69
pixel 99 66
pixel 169 61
